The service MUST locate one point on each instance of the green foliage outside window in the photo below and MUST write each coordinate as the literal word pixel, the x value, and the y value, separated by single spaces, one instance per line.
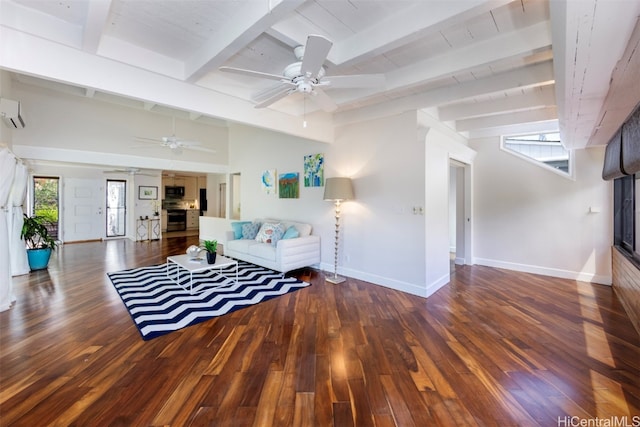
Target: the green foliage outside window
pixel 46 199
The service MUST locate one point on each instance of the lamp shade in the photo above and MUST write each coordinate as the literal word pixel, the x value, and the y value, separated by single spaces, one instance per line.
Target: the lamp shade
pixel 338 189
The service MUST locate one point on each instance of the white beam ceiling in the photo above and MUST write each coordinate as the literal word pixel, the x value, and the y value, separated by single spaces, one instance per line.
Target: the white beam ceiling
pixel 483 64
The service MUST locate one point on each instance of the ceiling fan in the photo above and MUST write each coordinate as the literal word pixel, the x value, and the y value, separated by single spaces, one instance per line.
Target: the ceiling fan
pixel 174 143
pixel 307 76
pixel 130 171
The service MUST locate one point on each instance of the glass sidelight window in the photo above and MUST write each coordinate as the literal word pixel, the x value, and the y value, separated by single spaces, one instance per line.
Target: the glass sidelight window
pixel 46 202
pixel 116 207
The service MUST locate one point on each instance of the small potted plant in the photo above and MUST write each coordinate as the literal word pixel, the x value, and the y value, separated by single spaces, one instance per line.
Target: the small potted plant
pixel 39 242
pixel 211 246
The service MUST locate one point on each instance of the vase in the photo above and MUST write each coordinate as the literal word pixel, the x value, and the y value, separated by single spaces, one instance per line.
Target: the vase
pixel 211 257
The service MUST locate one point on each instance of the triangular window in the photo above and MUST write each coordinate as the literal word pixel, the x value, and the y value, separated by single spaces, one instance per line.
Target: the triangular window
pixel 544 149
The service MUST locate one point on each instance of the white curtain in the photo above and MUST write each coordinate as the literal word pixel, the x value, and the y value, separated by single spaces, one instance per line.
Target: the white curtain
pixel 7 169
pixel 19 262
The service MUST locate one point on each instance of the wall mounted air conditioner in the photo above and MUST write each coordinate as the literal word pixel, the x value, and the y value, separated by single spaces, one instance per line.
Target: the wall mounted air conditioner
pixel 10 112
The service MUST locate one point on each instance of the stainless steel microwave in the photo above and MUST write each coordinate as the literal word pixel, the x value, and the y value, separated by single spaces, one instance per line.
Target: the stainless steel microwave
pixel 173 192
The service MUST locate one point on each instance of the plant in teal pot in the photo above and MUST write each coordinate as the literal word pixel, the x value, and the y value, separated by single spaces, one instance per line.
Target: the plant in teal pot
pixel 38 241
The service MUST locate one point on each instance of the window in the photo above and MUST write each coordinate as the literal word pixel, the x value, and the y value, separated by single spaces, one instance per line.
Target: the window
pixel 544 149
pixel 116 207
pixel 46 202
pixel 626 205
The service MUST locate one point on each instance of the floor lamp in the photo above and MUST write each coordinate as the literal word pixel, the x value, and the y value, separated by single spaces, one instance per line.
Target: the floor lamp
pixel 337 190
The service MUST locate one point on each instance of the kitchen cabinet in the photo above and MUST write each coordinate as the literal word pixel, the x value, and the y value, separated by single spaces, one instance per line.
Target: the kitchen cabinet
pixel 193 219
pixel 164 220
pixel 190 184
pixel 190 188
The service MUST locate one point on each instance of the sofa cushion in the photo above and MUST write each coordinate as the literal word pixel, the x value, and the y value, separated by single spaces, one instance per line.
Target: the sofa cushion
pixel 303 229
pixel 250 230
pixel 240 245
pixel 236 226
pixel 263 250
pixel 291 233
pixel 270 233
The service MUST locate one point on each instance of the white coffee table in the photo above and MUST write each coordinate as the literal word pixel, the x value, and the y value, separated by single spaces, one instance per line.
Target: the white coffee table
pixel 186 262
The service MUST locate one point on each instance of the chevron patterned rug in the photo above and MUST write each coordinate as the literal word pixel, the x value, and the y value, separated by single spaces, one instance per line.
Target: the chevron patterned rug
pixel 159 305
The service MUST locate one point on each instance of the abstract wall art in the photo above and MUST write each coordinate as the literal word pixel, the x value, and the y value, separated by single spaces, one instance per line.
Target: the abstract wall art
pixel 268 181
pixel 289 185
pixel 314 170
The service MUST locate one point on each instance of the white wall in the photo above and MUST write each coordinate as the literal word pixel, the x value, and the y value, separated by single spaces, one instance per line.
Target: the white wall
pixel 251 151
pixel 5 92
pixel 530 219
pixel 71 128
pixel 381 240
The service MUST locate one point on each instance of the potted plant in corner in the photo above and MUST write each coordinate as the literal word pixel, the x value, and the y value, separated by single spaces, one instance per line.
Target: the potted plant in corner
pixel 211 246
pixel 39 242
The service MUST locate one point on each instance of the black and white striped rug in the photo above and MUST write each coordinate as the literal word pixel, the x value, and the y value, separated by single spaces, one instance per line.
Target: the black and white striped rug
pixel 159 305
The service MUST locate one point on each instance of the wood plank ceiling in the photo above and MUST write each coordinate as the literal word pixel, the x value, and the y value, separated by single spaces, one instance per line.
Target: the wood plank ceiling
pixel 484 67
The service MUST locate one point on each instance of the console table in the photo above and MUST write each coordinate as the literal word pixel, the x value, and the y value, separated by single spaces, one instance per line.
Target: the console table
pixel 148 229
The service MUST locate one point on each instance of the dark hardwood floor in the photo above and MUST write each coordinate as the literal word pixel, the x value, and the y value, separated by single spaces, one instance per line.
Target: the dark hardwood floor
pixel 492 348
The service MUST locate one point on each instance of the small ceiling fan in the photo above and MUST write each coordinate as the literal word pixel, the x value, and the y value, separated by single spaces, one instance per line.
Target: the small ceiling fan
pixel 174 143
pixel 307 76
pixel 130 171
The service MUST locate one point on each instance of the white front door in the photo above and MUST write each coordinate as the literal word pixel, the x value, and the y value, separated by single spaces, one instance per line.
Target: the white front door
pixel 83 209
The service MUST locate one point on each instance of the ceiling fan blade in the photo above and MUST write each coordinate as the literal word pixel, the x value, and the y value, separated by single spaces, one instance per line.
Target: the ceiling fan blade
pixel 148 140
pixel 355 81
pixel 276 97
pixel 323 100
pixel 267 93
pixel 186 143
pixel 315 53
pixel 203 149
pixel 252 73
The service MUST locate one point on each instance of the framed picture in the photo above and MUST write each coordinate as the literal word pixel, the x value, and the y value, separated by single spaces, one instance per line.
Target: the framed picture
pixel 314 170
pixel 269 181
pixel 289 185
pixel 147 193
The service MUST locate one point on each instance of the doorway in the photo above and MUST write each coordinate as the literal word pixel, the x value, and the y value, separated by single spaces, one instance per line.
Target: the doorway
pixel 116 208
pixel 222 196
pixel 234 196
pixel 459 216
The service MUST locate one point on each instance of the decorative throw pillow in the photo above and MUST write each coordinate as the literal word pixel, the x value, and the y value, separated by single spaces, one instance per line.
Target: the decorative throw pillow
pixel 237 228
pixel 291 233
pixel 270 233
pixel 250 230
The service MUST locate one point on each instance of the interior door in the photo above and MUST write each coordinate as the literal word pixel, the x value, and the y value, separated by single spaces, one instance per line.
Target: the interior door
pixel 83 207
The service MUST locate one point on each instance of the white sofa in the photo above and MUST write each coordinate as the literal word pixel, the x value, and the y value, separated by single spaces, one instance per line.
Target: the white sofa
pixel 286 255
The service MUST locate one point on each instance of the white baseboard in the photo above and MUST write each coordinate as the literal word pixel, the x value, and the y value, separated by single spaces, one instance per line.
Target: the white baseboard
pixel 387 282
pixel 546 271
